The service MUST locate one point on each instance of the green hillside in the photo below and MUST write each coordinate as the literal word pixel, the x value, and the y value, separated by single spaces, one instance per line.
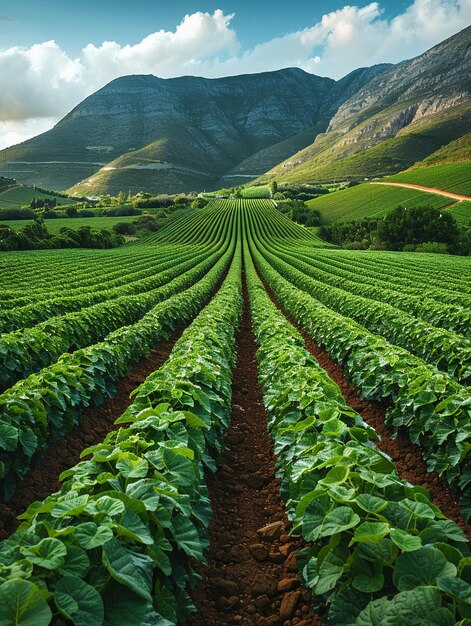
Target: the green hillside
pixel 56 224
pixel 15 197
pixel 461 211
pixel 455 151
pixel 340 156
pixel 454 177
pixel 368 200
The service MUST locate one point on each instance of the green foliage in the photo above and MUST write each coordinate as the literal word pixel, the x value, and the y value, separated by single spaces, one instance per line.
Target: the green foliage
pixel 370 535
pixel 125 228
pixel 128 522
pixel 418 225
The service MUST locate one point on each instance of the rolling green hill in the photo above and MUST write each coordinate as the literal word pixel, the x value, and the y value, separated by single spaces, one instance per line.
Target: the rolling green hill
pixel 454 177
pixel 14 197
pixel 371 201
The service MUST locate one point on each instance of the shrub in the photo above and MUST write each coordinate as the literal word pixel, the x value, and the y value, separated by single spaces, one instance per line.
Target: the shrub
pixel 124 228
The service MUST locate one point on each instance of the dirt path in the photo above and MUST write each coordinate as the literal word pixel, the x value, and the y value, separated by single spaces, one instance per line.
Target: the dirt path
pixel 96 423
pixel 439 192
pixel 406 456
pixel 251 577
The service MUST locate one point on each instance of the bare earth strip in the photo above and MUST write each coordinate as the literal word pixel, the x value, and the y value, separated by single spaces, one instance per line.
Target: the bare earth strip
pixel 439 192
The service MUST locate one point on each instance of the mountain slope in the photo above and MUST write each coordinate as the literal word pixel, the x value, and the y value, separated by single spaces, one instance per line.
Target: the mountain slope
pixel 398 118
pixel 182 133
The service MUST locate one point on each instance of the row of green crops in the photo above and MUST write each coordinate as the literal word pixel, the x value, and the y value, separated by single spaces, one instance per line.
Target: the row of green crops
pixel 115 544
pixel 45 406
pixel 433 408
pixel 379 552
pixel 25 351
pixel 442 348
pixel 453 317
pixel 30 314
pixel 362 271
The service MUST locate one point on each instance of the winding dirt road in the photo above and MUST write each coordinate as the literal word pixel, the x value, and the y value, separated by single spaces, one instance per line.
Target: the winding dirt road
pixel 440 192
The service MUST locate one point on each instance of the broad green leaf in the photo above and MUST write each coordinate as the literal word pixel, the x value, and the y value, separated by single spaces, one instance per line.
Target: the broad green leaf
pixel 76 562
pixel 132 569
pixel 90 536
pixel 340 519
pixel 408 608
pixel 29 441
pixel 79 602
pixel 48 553
pixel 405 541
pixel 70 506
pixel 8 437
pixel 110 506
pixel 22 604
pixel 370 532
pixel 331 569
pixel 186 537
pixel 421 567
pixel 133 527
pixel 459 589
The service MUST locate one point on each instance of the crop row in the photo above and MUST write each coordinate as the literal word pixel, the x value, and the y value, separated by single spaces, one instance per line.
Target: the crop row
pixel 360 270
pixel 126 280
pixel 433 408
pixel 31 314
pixel 25 351
pixel 452 317
pixel 115 544
pixel 379 552
pixel 44 406
pixel 447 350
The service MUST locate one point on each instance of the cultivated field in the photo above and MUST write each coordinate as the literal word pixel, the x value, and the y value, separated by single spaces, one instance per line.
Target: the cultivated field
pixel 454 177
pixel 249 350
pixel 369 200
pixel 54 225
pixel 16 197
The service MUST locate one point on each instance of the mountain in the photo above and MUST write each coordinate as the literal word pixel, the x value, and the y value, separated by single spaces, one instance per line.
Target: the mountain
pixel 400 117
pixel 190 133
pixel 179 134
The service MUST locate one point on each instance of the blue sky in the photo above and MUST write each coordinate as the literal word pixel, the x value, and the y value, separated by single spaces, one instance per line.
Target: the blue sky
pixel 55 53
pixel 75 24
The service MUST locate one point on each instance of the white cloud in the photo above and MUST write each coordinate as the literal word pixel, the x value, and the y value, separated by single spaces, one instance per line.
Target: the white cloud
pixel 44 82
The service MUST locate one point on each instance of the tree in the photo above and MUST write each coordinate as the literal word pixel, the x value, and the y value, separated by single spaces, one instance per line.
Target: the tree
pixel 273 187
pixel 404 226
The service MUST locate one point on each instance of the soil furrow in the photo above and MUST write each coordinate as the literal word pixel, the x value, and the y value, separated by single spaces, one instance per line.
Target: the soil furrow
pixel 96 422
pixel 251 577
pixel 406 456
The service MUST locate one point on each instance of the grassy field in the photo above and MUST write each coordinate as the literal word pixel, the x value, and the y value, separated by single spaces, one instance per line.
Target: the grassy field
pixel 55 225
pixel 461 212
pixel 371 201
pixel 260 191
pixel 15 197
pixel 454 177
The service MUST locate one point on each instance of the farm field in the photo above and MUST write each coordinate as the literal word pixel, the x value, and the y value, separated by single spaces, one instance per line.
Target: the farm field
pixel 54 225
pixel 461 211
pixel 16 197
pixel 454 177
pixel 229 422
pixel 369 200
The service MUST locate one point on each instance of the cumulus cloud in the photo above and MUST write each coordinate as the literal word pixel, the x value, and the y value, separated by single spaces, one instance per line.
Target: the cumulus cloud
pixel 44 82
